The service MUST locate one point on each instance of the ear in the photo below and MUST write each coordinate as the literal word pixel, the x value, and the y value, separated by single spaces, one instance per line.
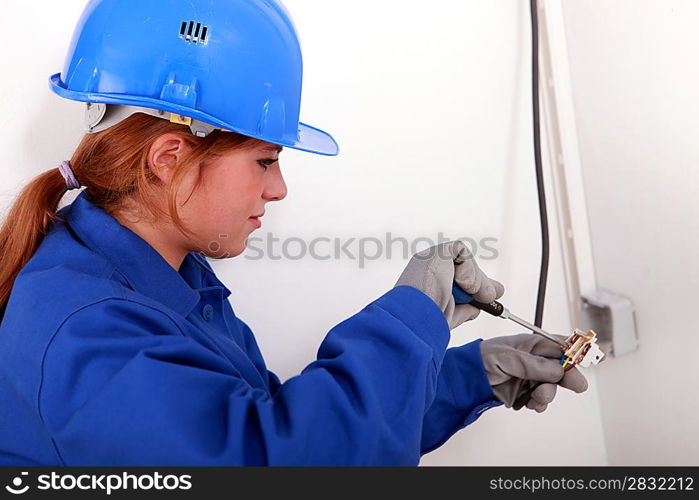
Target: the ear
pixel 165 154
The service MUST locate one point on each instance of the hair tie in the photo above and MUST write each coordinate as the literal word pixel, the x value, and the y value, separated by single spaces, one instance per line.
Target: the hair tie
pixel 68 175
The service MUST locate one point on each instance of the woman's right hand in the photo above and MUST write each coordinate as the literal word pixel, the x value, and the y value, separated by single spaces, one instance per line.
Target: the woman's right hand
pixel 434 270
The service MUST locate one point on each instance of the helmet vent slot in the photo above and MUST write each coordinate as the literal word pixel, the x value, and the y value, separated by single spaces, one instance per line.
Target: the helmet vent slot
pixel 194 32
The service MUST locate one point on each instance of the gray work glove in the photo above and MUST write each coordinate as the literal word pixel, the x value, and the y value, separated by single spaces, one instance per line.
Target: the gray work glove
pixel 516 363
pixel 434 270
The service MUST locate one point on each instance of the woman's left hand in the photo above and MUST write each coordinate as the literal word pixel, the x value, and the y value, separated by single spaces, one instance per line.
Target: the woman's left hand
pixel 514 363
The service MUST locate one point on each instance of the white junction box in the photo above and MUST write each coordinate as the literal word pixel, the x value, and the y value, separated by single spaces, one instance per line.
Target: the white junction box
pixel 612 317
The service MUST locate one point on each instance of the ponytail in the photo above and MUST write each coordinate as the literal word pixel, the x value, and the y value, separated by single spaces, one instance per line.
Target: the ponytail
pixel 28 221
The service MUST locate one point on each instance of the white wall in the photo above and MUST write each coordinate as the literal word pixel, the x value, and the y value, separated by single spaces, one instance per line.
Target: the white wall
pixel 635 79
pixel 431 106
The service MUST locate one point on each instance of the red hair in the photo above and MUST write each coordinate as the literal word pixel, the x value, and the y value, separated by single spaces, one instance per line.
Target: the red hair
pixel 112 165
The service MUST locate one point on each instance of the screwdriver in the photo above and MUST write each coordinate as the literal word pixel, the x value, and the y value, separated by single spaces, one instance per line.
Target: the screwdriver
pixel 497 309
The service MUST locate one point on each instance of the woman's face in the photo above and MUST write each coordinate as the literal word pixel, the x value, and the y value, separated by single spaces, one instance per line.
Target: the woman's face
pixel 233 189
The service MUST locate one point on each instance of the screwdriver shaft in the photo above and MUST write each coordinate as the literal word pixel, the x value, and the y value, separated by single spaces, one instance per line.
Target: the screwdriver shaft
pixel 506 314
pixel 495 308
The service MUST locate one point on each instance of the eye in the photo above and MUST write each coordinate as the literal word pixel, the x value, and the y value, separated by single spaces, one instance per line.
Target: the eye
pixel 267 162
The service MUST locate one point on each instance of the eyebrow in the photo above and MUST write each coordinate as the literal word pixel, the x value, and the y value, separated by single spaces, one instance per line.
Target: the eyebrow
pixel 278 149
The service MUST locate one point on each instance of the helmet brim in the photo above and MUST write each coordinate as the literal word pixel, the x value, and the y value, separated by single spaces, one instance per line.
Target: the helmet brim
pixel 311 139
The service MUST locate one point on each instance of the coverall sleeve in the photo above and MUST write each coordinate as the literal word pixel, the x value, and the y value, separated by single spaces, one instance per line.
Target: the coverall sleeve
pixel 463 394
pixel 122 385
pixel 253 352
pixel 463 390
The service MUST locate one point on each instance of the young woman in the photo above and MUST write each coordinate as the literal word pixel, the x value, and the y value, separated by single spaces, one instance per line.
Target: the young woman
pixel 118 345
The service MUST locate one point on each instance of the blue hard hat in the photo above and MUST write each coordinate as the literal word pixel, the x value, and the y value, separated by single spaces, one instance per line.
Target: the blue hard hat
pixel 234 65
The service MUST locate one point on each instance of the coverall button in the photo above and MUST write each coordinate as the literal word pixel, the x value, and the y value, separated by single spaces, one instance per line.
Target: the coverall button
pixel 207 312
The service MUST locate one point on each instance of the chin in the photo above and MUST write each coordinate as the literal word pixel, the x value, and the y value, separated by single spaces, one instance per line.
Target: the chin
pixel 225 252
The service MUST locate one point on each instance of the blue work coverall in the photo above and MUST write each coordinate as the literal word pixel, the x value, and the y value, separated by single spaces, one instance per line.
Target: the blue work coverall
pixel 109 356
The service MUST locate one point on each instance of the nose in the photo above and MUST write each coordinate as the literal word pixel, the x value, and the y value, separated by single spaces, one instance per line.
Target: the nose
pixel 275 189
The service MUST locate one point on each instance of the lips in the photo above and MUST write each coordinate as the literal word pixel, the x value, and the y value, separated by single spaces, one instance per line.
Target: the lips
pixel 256 221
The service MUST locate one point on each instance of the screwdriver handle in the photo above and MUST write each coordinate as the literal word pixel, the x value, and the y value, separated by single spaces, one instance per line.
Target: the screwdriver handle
pixel 461 297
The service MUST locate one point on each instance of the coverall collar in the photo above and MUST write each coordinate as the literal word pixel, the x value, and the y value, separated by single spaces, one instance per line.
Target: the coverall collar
pixel 143 267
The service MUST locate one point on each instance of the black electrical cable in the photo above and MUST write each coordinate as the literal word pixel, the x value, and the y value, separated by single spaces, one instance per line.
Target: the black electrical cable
pixel 522 400
pixel 543 217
